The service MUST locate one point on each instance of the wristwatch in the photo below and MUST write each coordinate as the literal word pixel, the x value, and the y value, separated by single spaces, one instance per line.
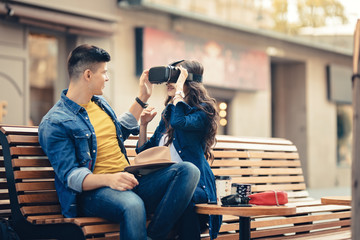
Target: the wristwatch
pixel 141 103
pixel 181 93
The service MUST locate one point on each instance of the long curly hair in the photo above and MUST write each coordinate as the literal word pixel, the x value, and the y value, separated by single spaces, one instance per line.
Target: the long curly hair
pixel 197 96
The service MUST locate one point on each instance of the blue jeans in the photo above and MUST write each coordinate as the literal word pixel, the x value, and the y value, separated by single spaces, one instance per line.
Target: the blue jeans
pixel 165 194
pixel 191 224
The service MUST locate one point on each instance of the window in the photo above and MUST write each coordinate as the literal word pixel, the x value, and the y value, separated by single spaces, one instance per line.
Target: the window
pixel 43 57
pixel 223 120
pixel 344 135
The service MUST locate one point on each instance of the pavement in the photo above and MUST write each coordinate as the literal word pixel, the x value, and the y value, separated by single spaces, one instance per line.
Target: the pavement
pixel 317 193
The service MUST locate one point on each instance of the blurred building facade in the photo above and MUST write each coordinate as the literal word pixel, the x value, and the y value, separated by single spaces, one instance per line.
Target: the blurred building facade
pixel 269 84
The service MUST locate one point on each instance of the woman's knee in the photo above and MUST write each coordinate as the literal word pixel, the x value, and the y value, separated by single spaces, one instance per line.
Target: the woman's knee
pixel 192 171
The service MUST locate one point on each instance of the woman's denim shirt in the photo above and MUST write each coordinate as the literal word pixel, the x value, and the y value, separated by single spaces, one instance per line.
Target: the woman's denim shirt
pixel 190 125
pixel 68 139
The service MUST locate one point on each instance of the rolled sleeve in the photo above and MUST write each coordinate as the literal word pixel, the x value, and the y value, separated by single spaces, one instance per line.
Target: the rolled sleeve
pixel 128 121
pixel 76 178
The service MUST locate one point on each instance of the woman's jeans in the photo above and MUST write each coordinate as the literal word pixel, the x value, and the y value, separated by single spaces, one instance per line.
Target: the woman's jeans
pixel 165 194
pixel 192 224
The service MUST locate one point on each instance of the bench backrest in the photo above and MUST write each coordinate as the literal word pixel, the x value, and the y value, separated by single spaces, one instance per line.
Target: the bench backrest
pixel 265 163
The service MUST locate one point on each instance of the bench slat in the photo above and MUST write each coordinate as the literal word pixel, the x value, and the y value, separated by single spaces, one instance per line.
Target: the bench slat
pixel 262 140
pixel 34 174
pixel 248 146
pixel 101 228
pixel 293 220
pixel 280 187
pixel 268 179
pixel 26 151
pixel 300 228
pixel 89 221
pixel 49 197
pixel 343 233
pixel 248 154
pixel 21 139
pixel 30 162
pixel 23 130
pixel 256 171
pixel 249 163
pixel 40 219
pixel 49 209
pixel 35 186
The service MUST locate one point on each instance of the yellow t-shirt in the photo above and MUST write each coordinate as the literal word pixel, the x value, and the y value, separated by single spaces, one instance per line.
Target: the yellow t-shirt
pixel 109 157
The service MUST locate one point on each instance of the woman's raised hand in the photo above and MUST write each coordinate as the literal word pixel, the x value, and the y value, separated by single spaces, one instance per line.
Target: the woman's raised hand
pixel 147 115
pixel 181 79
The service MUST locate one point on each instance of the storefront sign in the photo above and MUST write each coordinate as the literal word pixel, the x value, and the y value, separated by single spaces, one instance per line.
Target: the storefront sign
pixel 226 66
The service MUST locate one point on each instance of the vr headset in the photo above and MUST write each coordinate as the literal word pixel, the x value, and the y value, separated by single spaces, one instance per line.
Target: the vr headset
pixel 169 74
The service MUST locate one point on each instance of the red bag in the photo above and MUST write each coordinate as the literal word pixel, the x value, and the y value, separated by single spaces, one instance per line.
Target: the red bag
pixel 269 198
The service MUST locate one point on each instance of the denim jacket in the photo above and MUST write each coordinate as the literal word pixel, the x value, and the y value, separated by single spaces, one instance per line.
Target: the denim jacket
pixel 68 139
pixel 190 125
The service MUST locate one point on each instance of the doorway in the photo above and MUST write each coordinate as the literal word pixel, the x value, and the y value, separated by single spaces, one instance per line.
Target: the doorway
pixel 288 102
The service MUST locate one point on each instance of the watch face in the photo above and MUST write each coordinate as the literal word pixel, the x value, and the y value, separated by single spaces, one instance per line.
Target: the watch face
pixel 181 93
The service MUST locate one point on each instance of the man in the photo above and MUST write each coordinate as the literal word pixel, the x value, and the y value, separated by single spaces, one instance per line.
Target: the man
pixel 84 142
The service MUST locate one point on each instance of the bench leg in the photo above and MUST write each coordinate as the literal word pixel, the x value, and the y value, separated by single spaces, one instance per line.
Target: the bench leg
pixel 244 228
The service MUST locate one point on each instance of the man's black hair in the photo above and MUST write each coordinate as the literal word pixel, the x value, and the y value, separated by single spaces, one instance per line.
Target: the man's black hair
pixel 85 57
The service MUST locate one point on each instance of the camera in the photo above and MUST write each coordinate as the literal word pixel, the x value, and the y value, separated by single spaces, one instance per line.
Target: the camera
pixel 235 200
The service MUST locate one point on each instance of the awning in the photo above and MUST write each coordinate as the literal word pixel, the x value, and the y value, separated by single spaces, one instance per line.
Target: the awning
pixel 56 20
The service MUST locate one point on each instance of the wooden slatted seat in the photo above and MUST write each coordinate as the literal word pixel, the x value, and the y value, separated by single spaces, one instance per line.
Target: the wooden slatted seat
pixel 266 163
pixel 34 203
pixel 273 164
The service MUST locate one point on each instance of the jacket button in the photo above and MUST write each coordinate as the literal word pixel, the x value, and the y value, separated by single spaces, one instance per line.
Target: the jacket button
pixel 121 136
pixel 87 134
pixel 86 118
pixel 94 151
pixel 180 151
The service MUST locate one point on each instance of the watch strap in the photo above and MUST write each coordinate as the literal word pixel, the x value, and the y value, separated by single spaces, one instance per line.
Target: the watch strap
pixel 141 103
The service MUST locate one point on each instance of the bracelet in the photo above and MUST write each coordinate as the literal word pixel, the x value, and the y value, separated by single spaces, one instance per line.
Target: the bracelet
pixel 178 96
pixel 141 103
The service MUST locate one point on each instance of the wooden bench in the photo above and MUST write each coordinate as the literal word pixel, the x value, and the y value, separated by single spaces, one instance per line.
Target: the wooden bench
pixel 35 208
pixel 266 163
pixel 273 164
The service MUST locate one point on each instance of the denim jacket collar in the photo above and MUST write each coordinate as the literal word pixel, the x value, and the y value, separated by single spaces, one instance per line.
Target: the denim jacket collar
pixel 73 106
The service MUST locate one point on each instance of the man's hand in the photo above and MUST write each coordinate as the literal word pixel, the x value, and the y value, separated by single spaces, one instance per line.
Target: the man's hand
pixel 122 181
pixel 147 115
pixel 145 87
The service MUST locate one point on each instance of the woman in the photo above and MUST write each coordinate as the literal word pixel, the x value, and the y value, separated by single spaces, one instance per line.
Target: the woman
pixel 188 126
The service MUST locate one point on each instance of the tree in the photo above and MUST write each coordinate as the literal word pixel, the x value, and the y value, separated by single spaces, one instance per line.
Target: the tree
pixel 316 13
pixel 279 15
pixel 312 13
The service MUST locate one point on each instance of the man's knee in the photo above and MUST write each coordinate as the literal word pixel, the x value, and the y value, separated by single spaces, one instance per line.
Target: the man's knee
pixel 134 207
